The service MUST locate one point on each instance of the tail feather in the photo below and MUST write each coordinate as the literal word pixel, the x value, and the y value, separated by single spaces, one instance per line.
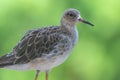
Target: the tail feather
pixel 5 61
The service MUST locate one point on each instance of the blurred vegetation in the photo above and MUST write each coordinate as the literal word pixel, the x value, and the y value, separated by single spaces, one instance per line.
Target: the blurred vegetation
pixel 97 54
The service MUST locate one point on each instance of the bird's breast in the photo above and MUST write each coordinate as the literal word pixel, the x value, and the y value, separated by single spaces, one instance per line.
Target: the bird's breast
pixel 74 37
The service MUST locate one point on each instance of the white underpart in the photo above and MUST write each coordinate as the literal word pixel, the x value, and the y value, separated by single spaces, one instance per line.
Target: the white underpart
pixel 76 36
pixel 41 63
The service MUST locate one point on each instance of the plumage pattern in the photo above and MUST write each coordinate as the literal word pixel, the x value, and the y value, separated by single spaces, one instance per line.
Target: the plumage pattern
pixel 45 48
pixel 37 43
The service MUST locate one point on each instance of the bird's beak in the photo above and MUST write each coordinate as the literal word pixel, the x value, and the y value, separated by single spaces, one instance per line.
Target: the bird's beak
pixel 85 21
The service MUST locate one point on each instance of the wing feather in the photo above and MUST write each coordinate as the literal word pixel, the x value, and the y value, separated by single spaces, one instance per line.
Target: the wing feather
pixel 35 43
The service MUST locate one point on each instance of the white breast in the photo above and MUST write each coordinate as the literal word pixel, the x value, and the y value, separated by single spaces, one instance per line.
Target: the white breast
pixel 75 36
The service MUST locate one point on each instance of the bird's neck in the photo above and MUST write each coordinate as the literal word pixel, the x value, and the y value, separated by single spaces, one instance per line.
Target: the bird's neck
pixel 72 31
pixel 70 26
pixel 65 22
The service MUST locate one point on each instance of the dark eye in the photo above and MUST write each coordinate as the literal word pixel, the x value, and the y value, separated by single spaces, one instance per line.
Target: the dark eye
pixel 70 14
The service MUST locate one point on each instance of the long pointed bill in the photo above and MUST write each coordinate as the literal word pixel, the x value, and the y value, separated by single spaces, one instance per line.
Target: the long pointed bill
pixel 86 22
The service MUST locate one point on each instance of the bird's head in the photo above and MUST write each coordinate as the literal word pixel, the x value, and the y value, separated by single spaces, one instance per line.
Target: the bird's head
pixel 71 17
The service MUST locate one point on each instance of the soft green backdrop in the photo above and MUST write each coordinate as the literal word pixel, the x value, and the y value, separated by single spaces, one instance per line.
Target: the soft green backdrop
pixel 95 57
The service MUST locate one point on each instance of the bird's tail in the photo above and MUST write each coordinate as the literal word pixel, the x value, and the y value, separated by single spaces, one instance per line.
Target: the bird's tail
pixel 5 61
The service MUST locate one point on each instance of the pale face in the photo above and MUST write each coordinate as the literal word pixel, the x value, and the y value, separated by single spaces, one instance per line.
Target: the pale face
pixel 71 17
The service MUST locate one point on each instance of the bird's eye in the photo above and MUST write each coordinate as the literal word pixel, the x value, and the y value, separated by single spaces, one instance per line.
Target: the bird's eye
pixel 71 15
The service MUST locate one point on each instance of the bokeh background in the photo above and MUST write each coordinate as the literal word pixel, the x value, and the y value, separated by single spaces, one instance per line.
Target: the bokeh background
pixel 95 57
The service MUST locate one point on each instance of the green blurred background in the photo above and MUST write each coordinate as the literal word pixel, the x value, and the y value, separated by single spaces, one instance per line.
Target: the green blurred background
pixel 95 57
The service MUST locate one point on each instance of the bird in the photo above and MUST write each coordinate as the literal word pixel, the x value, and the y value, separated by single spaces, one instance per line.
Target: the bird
pixel 42 49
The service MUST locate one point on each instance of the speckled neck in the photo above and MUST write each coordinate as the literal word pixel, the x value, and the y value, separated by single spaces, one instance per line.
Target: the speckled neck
pixel 73 33
pixel 67 25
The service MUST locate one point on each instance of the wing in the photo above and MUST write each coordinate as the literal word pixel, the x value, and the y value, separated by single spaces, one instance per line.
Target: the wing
pixel 35 43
